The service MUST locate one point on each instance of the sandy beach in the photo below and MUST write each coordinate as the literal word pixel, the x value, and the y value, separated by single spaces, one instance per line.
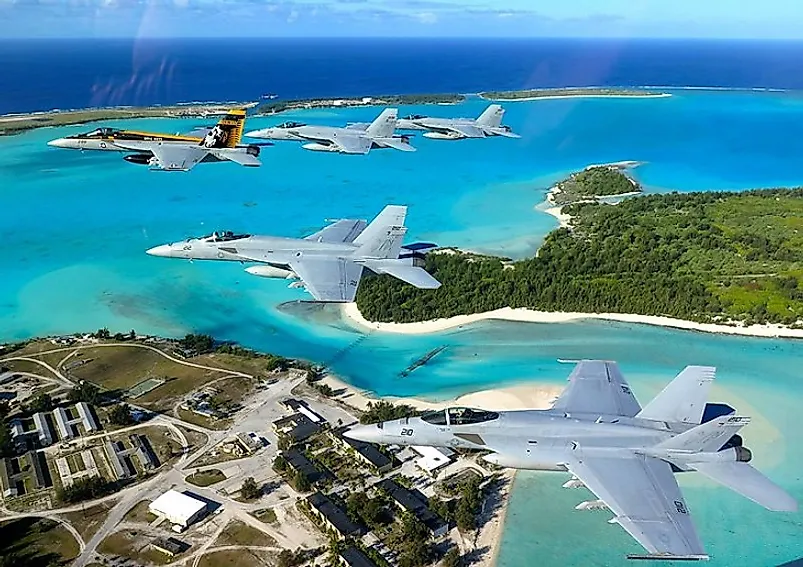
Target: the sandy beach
pixel 529 316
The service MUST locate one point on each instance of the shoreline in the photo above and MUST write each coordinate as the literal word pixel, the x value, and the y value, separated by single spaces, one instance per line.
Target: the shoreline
pixel 523 315
pixel 577 95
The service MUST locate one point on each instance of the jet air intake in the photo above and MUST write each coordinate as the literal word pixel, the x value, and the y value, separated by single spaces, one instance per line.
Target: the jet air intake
pixel 271 272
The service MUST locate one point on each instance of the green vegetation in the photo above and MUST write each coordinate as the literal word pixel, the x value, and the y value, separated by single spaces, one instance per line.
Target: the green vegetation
pixel 86 488
pixel 275 106
pixel 468 505
pixel 250 490
pixel 121 415
pixel 35 542
pixel 586 91
pixel 412 542
pixel 198 343
pixel 266 515
pixel 452 558
pixel 384 411
pixel 85 392
pixel 41 403
pixel 274 362
pixel 206 478
pixel 16 125
pixel 594 182
pixel 372 512
pixel 289 558
pixel 140 513
pixel 706 257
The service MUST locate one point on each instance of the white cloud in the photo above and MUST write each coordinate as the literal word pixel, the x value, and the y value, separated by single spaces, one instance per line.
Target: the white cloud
pixel 427 17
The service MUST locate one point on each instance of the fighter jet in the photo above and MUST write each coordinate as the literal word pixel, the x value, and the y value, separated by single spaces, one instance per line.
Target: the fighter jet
pixel 172 152
pixel 329 263
pixel 488 124
pixel 624 454
pixel 353 139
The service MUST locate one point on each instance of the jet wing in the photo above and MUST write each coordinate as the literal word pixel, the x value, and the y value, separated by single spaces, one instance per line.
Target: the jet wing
pixel 466 130
pixel 344 230
pixel 329 279
pixel 171 157
pixel 237 155
pixel 398 144
pixel 413 275
pixel 644 495
pixel 352 144
pixel 597 386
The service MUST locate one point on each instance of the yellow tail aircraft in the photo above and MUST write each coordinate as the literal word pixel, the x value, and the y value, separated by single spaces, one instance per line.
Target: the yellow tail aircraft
pixel 173 152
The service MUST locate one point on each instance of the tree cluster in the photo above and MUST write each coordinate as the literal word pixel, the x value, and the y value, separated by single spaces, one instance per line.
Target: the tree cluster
pixel 369 511
pixel 198 342
pixel 694 256
pixel 250 490
pixel 412 542
pixel 468 505
pixel 384 411
pixel 121 415
pixel 85 392
pixel 86 488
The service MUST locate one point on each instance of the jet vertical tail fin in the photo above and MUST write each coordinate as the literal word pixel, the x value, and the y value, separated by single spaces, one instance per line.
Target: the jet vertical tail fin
pixel 491 117
pixel 231 125
pixel 385 124
pixel 684 398
pixel 382 238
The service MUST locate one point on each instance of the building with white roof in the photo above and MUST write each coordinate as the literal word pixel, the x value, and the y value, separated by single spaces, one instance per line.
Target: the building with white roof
pixel 432 458
pixel 178 508
pixel 42 429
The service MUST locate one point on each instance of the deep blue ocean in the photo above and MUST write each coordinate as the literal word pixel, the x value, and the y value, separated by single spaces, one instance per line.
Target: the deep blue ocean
pixel 47 74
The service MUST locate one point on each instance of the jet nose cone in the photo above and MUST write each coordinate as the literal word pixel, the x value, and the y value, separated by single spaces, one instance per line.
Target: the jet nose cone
pixel 365 433
pixel 164 251
pixel 58 143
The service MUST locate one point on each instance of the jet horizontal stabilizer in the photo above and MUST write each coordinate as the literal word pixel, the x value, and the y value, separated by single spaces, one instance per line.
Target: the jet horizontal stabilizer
pixel 573 483
pixel 591 505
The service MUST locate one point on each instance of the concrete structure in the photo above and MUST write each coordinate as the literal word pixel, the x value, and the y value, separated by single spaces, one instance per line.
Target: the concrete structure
pixel 178 508
pixel 87 418
pixel 296 427
pixel 63 423
pixel 120 456
pixel 42 429
pixel 333 516
pixel 302 407
pixel 432 458
pixel 298 462
pixel 415 503
pixel 90 468
pixel 366 452
pixel 354 557
pixel 169 546
pixel 6 478
pixel 120 460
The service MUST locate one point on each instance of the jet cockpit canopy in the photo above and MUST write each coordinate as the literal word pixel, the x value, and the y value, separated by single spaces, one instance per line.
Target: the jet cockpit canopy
pixel 99 133
pixel 414 117
pixel 459 416
pixel 224 236
pixel 291 124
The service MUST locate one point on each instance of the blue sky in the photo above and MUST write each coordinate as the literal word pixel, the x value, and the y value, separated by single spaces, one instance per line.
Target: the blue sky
pixel 408 18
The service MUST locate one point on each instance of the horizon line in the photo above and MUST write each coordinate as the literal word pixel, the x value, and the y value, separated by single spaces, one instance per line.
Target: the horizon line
pixel 411 37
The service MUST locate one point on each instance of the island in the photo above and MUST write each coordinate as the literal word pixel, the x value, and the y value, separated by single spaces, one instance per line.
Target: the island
pixel 11 124
pixel 120 448
pixel 533 94
pixel 725 259
pixel 277 106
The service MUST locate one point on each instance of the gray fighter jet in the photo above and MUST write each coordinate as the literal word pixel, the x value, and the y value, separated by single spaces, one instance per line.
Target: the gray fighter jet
pixel 488 124
pixel 625 454
pixel 353 139
pixel 329 263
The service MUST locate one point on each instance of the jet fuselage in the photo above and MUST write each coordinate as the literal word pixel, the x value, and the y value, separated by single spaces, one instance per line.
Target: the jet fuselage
pixel 524 439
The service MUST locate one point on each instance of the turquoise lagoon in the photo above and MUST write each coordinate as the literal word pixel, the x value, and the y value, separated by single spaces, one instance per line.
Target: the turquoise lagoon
pixel 75 227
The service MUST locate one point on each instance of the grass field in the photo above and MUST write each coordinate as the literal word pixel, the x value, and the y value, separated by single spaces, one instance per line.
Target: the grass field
pixel 206 478
pixel 140 513
pixel 36 542
pixel 131 545
pixel 266 515
pixel 238 533
pixel 88 521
